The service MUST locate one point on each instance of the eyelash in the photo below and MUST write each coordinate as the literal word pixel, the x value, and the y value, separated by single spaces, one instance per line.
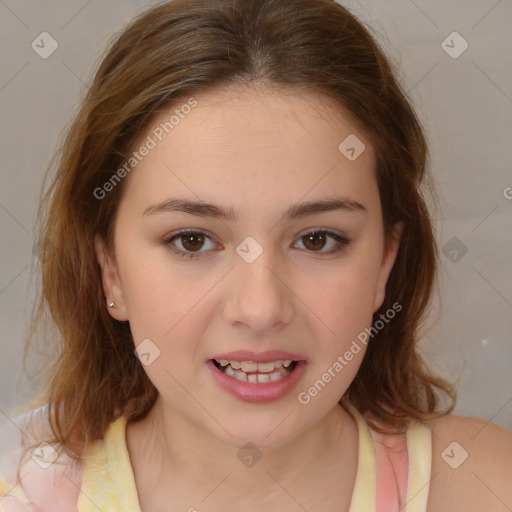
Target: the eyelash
pixel 342 241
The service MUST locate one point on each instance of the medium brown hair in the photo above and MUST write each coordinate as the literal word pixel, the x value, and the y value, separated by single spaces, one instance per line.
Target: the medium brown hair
pixel 179 49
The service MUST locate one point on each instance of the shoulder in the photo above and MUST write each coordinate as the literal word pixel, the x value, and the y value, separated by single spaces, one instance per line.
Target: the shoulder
pixel 471 465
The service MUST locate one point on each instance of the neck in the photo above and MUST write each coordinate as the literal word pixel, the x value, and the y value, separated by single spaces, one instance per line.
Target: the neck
pixel 170 452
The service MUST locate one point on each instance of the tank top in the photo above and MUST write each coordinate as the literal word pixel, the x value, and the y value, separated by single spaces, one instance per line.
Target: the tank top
pixel 393 474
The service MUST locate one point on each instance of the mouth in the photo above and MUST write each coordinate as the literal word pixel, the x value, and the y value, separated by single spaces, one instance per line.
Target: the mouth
pixel 256 373
pixel 257 376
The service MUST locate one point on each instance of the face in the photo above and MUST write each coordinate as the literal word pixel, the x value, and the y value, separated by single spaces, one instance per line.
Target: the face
pixel 275 278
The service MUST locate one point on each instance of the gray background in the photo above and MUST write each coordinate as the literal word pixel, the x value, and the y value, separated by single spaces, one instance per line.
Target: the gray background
pixel 464 102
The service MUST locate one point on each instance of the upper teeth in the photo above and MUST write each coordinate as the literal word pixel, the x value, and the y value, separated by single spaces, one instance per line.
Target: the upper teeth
pixel 249 366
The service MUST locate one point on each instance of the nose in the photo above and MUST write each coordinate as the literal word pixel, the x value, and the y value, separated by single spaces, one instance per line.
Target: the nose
pixel 258 296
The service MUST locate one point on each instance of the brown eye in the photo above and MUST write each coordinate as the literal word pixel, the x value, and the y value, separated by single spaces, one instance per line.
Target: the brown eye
pixel 192 241
pixel 315 241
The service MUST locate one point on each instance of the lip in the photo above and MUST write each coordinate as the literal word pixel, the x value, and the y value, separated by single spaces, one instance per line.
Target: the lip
pixel 258 392
pixel 259 357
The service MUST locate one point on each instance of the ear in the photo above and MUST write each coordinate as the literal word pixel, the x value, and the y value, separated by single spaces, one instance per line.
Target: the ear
pixel 110 280
pixel 387 263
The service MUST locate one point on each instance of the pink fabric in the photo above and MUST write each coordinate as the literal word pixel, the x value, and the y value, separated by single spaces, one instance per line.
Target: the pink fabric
pixel 55 489
pixel 392 468
pixel 51 489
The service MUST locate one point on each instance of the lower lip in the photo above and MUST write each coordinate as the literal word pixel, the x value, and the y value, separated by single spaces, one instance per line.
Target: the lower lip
pixel 259 392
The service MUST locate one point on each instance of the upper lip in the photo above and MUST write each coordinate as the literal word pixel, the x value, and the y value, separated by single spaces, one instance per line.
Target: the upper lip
pixel 259 357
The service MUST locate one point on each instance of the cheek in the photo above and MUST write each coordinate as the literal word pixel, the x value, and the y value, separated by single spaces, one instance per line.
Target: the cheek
pixel 166 309
pixel 158 294
pixel 341 310
pixel 347 294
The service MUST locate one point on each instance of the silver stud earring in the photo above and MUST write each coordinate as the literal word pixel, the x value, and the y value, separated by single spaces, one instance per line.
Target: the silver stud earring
pixel 112 305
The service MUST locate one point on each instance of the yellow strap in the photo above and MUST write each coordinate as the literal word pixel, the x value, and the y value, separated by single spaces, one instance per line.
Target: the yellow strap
pixel 365 488
pixel 419 447
pixel 108 482
pixel 118 452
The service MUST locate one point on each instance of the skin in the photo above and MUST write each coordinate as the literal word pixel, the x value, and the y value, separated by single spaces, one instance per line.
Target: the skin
pixel 257 151
pixel 482 481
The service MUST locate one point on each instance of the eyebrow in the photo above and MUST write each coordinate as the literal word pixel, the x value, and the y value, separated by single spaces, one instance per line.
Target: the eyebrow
pixel 296 211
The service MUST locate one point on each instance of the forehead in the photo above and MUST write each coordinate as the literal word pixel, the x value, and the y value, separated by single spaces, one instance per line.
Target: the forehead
pixel 247 143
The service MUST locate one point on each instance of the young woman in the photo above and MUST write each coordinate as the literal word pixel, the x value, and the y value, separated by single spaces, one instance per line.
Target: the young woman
pixel 238 257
